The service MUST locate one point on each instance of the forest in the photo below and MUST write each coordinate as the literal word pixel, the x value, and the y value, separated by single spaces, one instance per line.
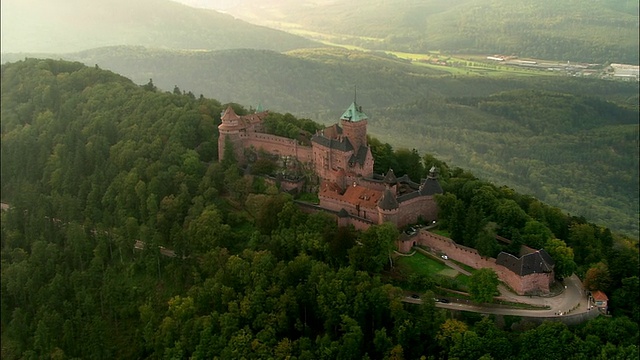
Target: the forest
pixel 595 31
pixel 126 238
pixel 587 170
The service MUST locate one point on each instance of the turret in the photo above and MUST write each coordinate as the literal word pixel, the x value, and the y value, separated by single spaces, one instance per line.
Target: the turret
pixel 388 207
pixel 230 125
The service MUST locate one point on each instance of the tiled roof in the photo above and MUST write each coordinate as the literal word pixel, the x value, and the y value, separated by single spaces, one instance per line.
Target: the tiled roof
pixel 404 179
pixel 408 196
pixel 229 114
pixel 354 195
pixel 388 200
pixel 354 113
pixel 390 178
pixel 360 157
pixel 430 186
pixel 342 145
pixel 537 262
pixel 599 296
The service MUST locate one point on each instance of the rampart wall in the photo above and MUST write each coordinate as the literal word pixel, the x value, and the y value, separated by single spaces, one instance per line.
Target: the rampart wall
pixel 410 210
pixel 529 284
pixel 277 145
pixel 336 205
pixel 359 223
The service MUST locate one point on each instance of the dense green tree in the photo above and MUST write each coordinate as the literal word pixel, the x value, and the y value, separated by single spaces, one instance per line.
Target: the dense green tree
pixel 535 234
pixel 551 340
pixel 409 163
pixel 92 163
pixel 509 216
pixel 597 278
pixel 623 299
pixel 483 285
pixel 374 250
pixel 563 257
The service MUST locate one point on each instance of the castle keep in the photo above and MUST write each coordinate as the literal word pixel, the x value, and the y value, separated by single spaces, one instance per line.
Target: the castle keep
pixel 341 159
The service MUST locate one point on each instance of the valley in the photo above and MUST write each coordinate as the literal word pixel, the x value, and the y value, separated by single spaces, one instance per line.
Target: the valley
pixel 152 208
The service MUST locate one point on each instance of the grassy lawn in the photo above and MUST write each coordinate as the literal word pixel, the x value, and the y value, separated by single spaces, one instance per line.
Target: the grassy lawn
pixel 420 264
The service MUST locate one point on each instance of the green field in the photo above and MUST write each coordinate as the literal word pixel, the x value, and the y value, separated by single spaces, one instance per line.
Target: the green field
pixel 442 275
pixel 423 265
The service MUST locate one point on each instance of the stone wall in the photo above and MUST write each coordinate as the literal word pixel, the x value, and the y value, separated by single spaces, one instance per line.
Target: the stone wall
pixel 522 285
pixel 277 145
pixel 421 206
pixel 359 223
pixel 370 214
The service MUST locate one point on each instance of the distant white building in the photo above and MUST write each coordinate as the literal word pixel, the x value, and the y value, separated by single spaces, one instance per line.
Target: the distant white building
pixel 624 71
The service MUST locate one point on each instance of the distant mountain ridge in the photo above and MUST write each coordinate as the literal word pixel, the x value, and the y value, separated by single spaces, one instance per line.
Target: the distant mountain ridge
pixel 74 25
pixel 595 31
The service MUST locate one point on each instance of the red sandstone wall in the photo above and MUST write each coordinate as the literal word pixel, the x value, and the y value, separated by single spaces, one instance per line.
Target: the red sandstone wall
pixel 410 210
pixel 277 145
pixel 534 283
pixel 335 205
pixel 322 160
pixel 356 132
pixel 388 216
pixel 359 224
pixel 405 246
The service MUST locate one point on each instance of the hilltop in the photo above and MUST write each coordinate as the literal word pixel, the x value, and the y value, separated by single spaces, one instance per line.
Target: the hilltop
pixel 126 238
pixel 430 110
pixel 74 25
pixel 575 30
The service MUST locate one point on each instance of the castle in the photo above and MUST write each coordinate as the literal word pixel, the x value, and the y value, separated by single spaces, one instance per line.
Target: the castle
pixel 341 160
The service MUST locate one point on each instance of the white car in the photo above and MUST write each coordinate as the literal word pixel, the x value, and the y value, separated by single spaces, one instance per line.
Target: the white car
pixel 445 257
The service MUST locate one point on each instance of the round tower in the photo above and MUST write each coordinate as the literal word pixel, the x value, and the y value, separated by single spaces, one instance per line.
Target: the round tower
pixel 388 207
pixel 229 128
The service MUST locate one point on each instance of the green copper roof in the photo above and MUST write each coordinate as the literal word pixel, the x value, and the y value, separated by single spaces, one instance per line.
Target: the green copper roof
pixel 354 113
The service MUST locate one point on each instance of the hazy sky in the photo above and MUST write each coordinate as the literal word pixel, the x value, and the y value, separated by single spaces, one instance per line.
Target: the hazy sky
pixel 210 4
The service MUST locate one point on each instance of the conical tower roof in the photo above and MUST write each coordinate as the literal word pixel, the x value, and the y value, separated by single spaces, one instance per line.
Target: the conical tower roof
pixel 229 114
pixel 390 178
pixel 388 200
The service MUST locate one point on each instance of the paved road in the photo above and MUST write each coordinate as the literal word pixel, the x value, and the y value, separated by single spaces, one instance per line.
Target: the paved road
pixel 572 299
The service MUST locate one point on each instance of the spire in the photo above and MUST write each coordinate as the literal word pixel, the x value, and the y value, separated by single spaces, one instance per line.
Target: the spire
pixel 355 93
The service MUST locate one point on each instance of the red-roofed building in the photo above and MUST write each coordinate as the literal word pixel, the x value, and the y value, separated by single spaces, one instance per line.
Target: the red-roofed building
pixel 342 161
pixel 600 300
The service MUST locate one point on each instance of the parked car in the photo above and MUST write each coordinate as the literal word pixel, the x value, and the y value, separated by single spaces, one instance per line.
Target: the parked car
pixel 445 257
pixel 444 301
pixel 415 296
pixel 411 231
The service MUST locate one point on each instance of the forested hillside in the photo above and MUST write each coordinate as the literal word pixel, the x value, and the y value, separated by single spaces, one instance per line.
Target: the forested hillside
pixel 125 238
pixel 568 141
pixel 75 25
pixel 594 31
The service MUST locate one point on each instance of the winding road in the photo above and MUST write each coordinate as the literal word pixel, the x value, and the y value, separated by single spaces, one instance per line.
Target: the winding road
pixel 571 300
